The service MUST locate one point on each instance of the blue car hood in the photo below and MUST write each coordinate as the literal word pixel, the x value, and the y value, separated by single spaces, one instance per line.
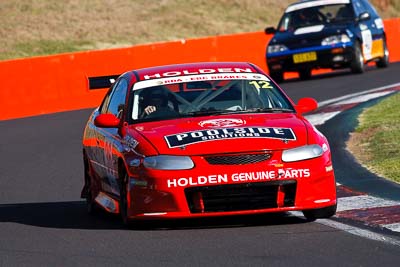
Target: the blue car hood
pixel 308 36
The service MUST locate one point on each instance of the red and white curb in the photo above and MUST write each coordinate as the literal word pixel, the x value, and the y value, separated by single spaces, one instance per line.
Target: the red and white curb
pixel 330 108
pixel 358 206
pixel 367 209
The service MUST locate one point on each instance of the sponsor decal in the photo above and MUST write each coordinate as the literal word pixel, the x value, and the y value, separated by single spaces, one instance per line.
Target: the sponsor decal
pixel 195 72
pixel 379 23
pixel 329 168
pixel 241 177
pixel 367 44
pixel 154 81
pixel 187 138
pixel 130 143
pixel 363 27
pixel 216 123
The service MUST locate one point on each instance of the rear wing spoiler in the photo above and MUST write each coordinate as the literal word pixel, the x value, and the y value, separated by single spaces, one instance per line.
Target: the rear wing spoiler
pixel 101 82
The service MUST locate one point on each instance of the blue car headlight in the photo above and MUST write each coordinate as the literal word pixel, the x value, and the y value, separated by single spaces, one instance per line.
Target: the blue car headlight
pixel 165 162
pixel 302 153
pixel 336 39
pixel 276 48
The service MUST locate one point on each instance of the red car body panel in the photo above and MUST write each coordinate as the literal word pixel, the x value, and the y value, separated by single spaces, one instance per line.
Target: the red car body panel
pixel 237 158
pixel 179 126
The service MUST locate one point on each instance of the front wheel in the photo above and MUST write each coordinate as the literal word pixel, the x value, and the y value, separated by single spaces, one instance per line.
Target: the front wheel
pixel 357 65
pixel 312 215
pixel 123 199
pixel 91 205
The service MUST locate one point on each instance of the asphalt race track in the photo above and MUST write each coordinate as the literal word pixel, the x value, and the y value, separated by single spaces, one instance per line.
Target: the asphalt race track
pixel 43 222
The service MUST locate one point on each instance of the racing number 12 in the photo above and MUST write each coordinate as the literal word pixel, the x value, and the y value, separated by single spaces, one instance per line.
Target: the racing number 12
pixel 261 84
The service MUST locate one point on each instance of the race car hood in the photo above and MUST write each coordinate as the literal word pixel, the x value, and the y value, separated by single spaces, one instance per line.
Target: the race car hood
pixel 308 36
pixel 208 135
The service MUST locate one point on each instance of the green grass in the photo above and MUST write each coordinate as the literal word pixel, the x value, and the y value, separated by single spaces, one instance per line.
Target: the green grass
pixel 379 130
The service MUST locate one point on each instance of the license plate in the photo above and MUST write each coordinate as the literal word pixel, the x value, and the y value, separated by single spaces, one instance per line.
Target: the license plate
pixel 304 57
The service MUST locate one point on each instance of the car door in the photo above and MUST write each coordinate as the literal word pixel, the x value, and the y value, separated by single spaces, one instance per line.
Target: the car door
pixel 108 139
pixel 371 29
pixel 377 29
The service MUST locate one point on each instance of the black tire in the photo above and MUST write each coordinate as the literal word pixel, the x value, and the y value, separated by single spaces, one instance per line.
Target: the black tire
pixel 384 61
pixel 277 76
pixel 305 74
pixel 91 206
pixel 312 215
pixel 123 201
pixel 357 65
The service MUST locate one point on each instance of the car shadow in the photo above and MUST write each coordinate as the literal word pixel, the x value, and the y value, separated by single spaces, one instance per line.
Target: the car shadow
pixel 327 75
pixel 73 215
pixel 236 221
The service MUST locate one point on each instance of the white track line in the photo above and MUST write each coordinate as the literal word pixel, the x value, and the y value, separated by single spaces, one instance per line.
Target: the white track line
pixel 359 232
pixel 354 230
pixel 321 118
pixel 395 227
pixel 330 101
pixel 362 98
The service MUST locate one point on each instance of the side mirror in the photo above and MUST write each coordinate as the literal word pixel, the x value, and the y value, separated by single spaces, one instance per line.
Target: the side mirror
pixel 270 30
pixel 106 121
pixel 306 104
pixel 364 16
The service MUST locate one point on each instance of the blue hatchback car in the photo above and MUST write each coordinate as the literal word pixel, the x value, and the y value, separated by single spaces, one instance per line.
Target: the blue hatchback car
pixel 334 34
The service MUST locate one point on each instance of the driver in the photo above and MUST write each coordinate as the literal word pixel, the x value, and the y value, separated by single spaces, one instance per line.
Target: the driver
pixel 156 103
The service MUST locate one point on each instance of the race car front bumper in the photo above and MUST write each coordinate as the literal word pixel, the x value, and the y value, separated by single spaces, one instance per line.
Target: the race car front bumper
pixel 233 191
pixel 334 57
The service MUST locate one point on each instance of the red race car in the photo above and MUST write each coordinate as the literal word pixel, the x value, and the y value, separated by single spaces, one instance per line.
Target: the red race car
pixel 205 139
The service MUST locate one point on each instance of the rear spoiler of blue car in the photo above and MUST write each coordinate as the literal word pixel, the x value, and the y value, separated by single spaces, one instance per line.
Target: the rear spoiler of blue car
pixel 101 82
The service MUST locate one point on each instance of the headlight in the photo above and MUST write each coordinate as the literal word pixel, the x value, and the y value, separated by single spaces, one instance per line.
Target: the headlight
pixel 335 39
pixel 276 48
pixel 302 153
pixel 165 162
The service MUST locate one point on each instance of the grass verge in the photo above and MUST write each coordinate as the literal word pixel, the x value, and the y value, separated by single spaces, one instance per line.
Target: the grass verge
pixel 376 140
pixel 43 27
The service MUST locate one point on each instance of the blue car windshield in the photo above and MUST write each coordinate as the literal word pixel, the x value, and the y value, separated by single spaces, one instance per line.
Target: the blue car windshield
pixel 316 15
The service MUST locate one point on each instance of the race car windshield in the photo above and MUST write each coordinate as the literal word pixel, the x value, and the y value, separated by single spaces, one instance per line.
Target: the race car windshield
pixel 210 97
pixel 316 15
